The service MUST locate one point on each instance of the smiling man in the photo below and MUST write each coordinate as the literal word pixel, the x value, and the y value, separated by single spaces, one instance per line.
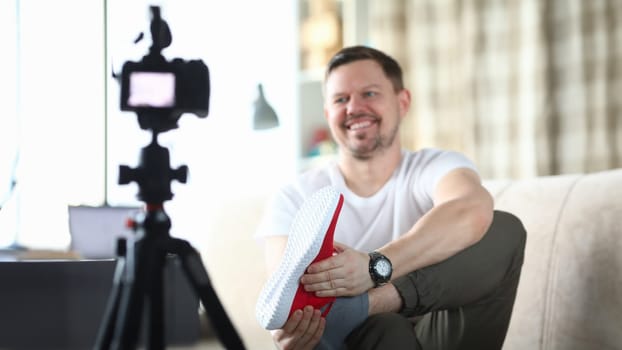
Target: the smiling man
pixel 353 106
pixel 422 261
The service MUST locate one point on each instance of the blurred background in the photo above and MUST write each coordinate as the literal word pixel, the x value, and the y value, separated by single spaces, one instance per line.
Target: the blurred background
pixel 523 87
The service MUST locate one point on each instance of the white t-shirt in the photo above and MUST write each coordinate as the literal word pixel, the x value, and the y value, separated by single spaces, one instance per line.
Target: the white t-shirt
pixel 367 223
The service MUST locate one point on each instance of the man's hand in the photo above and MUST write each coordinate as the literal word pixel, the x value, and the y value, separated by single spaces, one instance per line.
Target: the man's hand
pixel 344 274
pixel 302 331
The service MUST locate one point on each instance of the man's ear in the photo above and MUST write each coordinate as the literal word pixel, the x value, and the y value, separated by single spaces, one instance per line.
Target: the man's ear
pixel 404 101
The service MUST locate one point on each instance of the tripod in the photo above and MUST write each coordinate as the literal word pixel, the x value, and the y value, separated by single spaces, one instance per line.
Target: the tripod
pixel 138 279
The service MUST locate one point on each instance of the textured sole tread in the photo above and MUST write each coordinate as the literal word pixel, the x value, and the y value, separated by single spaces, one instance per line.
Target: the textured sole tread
pixel 303 245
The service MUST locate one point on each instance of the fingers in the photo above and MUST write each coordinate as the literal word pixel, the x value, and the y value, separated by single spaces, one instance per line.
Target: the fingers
pixel 339 247
pixel 310 331
pixel 329 277
pixel 325 277
pixel 325 265
pixel 284 338
pixel 292 322
pixel 303 325
pixel 344 274
pixel 324 281
pixel 302 330
pixel 317 335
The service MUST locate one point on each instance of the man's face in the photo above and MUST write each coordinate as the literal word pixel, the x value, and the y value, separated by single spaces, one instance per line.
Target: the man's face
pixel 362 108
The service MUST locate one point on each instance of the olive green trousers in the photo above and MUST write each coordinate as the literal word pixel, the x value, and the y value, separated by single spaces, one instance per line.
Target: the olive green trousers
pixel 464 302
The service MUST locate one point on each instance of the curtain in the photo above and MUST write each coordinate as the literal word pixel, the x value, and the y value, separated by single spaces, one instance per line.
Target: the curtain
pixel 523 87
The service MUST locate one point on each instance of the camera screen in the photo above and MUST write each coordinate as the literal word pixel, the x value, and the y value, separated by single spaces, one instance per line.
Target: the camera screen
pixel 151 89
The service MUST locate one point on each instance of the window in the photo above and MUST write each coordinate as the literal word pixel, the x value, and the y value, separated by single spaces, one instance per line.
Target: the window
pixel 58 89
pixel 63 75
pixel 9 123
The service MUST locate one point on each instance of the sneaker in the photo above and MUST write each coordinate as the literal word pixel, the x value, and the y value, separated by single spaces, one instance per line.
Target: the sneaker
pixel 310 240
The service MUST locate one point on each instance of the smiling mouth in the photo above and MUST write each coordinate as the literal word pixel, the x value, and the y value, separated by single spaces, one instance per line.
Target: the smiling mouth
pixel 362 123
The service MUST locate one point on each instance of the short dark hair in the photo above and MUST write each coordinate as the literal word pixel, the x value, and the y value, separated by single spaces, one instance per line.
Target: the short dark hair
pixel 389 65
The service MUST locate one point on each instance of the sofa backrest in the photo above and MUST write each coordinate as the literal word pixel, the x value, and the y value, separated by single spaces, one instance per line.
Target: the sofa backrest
pixel 570 293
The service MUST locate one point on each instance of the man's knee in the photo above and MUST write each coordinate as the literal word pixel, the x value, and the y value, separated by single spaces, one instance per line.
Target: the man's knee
pixel 509 233
pixel 384 331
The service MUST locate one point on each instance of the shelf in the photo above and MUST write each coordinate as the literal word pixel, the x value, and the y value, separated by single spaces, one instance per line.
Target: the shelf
pixel 325 26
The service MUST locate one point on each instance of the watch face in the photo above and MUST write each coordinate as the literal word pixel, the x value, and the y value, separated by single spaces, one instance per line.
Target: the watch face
pixel 383 267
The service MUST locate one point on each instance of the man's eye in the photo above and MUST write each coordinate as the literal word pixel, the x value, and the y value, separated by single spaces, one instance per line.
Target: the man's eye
pixel 340 100
pixel 370 94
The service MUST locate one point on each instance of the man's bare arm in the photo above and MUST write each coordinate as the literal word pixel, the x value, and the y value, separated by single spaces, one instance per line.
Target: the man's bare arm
pixel 462 213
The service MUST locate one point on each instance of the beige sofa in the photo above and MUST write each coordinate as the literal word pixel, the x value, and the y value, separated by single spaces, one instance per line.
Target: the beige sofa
pixel 570 293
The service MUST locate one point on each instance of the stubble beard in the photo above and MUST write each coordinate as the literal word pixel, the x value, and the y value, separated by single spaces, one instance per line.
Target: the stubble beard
pixel 378 145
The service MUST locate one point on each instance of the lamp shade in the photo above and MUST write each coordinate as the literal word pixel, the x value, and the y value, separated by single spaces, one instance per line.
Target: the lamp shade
pixel 264 116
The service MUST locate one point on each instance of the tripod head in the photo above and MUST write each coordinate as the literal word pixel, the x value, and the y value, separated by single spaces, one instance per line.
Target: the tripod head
pixel 153 174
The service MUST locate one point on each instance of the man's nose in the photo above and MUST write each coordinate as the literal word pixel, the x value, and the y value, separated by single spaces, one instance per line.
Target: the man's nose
pixel 355 105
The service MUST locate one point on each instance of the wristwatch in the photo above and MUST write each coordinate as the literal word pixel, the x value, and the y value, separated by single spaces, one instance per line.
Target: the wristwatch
pixel 380 268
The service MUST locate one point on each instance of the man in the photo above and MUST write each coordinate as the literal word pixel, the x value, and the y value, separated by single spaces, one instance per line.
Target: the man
pixel 451 263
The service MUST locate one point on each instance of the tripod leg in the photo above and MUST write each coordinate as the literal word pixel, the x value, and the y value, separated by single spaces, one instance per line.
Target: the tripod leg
pixel 130 314
pixel 196 273
pixel 155 309
pixel 105 332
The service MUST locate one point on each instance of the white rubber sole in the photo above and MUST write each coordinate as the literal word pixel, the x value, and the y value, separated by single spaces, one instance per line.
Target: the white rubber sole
pixel 303 245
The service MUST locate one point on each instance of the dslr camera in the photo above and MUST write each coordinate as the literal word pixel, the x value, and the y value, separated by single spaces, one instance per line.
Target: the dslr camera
pixel 160 91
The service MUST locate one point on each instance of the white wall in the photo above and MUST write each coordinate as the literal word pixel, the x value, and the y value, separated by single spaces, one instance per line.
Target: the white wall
pixel 61 108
